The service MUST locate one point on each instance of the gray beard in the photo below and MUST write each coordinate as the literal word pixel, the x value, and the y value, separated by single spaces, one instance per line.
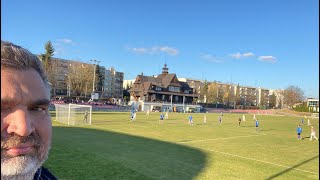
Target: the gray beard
pixel 23 167
pixel 28 176
pixel 20 168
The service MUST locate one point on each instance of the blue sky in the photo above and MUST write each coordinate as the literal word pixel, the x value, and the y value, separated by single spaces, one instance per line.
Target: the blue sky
pixel 266 43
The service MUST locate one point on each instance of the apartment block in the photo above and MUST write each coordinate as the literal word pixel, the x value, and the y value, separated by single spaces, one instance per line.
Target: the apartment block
pixel 113 84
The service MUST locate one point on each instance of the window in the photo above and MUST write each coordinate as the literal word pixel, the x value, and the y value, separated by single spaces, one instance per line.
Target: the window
pixel 158 88
pixel 174 89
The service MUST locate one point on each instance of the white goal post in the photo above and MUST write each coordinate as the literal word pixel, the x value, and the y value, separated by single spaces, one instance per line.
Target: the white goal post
pixel 73 114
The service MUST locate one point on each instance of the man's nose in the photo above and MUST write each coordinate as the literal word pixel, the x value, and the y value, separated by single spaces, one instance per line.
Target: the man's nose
pixel 20 123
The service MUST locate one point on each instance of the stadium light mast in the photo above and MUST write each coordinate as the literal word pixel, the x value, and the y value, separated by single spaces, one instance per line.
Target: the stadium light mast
pixel 94 72
pixel 69 85
pixel 217 96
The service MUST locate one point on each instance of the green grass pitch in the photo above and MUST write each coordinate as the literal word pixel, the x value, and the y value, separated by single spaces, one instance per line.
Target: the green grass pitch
pixel 115 148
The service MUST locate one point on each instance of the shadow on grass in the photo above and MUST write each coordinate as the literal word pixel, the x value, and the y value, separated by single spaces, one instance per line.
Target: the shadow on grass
pixel 289 169
pixel 85 153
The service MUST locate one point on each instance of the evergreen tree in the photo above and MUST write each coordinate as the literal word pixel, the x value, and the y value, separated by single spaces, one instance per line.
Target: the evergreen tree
pixel 99 78
pixel 50 66
pixel 272 100
pixel 46 57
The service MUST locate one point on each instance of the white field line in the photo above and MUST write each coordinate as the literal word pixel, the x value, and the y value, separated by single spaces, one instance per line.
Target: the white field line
pixel 251 132
pixel 243 157
pixel 114 130
pixel 140 125
pixel 213 139
pixel 133 124
pixel 117 130
pixel 265 162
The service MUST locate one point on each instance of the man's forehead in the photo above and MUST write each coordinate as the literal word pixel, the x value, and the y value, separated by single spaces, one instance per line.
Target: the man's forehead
pixel 25 85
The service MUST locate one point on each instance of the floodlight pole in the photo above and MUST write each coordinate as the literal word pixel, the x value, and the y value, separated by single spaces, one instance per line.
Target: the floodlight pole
pixel 94 72
pixel 69 85
pixel 217 97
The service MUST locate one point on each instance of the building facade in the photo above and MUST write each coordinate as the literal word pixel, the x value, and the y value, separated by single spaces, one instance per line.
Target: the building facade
pixel 164 89
pixel 62 70
pixel 195 84
pixel 67 79
pixel 113 85
pixel 313 104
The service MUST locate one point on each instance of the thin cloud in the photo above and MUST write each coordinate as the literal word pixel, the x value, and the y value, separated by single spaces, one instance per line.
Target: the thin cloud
pixel 248 54
pixel 244 55
pixel 140 50
pixel 236 56
pixel 155 50
pixel 169 50
pixel 268 59
pixel 62 46
pixel 211 58
pixel 65 41
pixel 59 51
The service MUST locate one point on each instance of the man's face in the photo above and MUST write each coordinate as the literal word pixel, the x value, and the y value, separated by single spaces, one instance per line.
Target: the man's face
pixel 25 122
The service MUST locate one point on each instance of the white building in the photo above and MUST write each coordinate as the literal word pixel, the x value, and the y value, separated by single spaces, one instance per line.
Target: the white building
pixel 127 83
pixel 313 103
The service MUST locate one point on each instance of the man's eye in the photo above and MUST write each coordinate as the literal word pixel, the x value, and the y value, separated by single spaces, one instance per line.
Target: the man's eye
pixel 37 109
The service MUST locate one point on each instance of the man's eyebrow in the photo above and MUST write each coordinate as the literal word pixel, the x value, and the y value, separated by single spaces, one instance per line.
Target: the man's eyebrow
pixel 39 102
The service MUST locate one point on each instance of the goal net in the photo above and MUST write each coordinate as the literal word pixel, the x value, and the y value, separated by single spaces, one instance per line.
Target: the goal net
pixel 73 114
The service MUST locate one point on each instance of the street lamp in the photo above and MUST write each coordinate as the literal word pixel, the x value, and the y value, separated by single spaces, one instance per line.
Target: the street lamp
pixel 217 96
pixel 69 85
pixel 85 93
pixel 94 72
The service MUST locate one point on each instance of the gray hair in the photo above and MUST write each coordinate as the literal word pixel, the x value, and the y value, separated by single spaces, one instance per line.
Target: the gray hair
pixel 17 58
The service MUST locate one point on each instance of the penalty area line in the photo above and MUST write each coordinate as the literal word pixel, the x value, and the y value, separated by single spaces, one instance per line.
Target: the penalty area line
pixel 243 157
pixel 213 139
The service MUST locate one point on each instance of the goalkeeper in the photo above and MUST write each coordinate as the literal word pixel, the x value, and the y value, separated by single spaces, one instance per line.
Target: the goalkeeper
pixel 85 119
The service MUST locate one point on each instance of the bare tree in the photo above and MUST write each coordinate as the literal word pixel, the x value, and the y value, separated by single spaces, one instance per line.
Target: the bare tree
pixel 203 92
pixel 81 78
pixel 236 95
pixel 212 93
pixel 292 95
pixel 226 94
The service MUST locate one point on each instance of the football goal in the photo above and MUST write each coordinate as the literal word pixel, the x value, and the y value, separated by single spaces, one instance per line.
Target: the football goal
pixel 73 114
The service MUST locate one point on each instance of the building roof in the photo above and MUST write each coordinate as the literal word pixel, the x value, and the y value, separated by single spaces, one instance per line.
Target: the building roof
pixel 163 80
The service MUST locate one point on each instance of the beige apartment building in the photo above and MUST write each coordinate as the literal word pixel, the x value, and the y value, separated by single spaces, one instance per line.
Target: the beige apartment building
pixel 112 85
pixel 248 95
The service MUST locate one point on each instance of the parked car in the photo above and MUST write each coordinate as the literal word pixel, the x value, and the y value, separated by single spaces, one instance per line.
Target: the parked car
pixel 192 110
pixel 156 109
pixel 203 110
